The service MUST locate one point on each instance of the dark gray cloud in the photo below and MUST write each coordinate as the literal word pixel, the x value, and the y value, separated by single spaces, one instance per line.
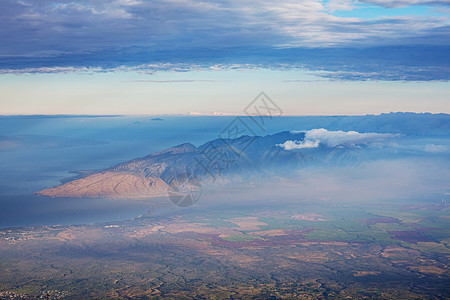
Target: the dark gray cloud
pixel 393 63
pixel 146 36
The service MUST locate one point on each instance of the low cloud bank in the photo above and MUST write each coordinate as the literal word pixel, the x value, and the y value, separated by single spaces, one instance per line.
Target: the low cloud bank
pixel 315 137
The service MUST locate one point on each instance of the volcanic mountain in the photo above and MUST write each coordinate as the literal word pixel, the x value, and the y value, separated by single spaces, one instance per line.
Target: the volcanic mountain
pixel 215 162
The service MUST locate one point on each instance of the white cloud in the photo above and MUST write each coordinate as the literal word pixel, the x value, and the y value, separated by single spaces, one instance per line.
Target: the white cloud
pixel 315 137
pixel 290 145
pixel 50 70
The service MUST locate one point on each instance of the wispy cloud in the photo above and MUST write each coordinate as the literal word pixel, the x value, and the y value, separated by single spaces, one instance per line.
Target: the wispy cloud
pixel 432 148
pixel 341 5
pixel 404 3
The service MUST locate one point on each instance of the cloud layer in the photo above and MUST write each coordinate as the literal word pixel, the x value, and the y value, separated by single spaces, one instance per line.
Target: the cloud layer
pixel 315 137
pixel 104 35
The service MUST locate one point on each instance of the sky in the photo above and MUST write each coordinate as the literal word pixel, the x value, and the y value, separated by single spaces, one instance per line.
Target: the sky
pixel 213 57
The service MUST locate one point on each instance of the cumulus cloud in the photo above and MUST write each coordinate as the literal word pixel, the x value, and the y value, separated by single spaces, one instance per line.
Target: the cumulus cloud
pixel 315 137
pixel 290 145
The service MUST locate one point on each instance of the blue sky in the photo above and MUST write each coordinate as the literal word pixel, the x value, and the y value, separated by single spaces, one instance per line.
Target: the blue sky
pixel 182 56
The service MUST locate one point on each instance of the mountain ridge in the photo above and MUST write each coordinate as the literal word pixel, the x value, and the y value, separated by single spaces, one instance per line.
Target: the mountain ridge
pixel 220 161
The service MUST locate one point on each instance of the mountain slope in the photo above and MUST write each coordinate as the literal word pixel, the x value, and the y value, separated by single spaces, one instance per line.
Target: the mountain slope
pixel 215 162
